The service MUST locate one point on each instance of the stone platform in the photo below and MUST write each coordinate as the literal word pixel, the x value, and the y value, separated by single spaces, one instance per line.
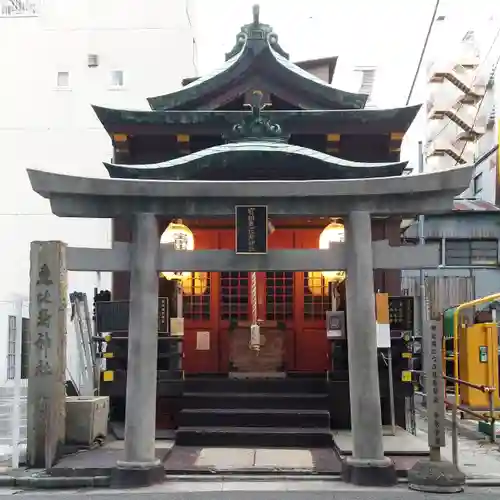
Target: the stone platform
pixel 203 460
pixel 404 449
pixel 101 461
pixel 401 444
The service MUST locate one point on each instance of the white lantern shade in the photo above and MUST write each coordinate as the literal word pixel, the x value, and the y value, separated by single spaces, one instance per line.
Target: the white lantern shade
pixel 333 233
pixel 181 237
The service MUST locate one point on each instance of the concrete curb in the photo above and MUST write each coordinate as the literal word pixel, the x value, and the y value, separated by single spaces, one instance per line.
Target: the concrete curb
pixel 255 472
pixel 217 477
pixel 53 483
pixel 61 483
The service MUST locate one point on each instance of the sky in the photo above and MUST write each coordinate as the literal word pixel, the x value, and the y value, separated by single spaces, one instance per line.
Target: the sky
pixel 388 34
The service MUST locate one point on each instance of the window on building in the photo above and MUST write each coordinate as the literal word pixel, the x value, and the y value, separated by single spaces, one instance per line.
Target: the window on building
pixel 63 79
pixel 11 348
pixel 117 79
pixel 19 8
pixel 478 183
pixel 471 252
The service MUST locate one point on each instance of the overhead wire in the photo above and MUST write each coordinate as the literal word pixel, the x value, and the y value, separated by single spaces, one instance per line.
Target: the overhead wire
pixel 423 51
pixel 194 54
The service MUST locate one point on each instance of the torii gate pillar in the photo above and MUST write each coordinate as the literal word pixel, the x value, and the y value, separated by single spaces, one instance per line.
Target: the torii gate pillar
pixel 367 466
pixel 140 466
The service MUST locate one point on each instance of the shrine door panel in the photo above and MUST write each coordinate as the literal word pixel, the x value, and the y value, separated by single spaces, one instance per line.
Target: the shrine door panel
pixel 311 344
pixel 274 305
pixel 201 333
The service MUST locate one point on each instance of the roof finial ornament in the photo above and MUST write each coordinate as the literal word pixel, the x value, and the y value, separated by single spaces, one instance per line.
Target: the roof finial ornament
pixel 256 104
pixel 255 126
pixel 256 14
pixel 257 34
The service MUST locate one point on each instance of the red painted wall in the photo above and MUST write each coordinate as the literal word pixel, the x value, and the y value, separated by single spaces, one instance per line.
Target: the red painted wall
pixel 307 347
pixel 306 343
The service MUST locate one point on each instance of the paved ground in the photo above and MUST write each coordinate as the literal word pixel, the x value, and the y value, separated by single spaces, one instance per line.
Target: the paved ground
pixel 259 491
pixel 478 459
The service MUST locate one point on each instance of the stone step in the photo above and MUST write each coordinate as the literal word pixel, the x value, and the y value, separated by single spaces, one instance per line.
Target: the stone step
pixel 288 401
pixel 237 417
pixel 252 385
pixel 262 437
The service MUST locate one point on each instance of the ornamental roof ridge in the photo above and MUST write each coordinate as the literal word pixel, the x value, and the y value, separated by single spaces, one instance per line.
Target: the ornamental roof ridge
pixel 254 126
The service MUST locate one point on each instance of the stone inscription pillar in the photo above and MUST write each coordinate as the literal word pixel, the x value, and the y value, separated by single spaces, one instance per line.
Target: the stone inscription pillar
pixel 140 466
pixel 367 465
pixel 47 353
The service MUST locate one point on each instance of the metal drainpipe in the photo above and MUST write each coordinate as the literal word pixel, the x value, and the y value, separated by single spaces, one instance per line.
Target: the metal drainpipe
pixel 421 238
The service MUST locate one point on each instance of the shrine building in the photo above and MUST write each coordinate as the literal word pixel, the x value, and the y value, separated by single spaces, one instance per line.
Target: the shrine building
pixel 268 323
pixel 306 130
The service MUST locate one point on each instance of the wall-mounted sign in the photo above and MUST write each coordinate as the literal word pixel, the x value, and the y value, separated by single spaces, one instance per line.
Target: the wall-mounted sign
pixel 163 318
pixel 177 327
pixel 112 316
pixel 203 341
pixel 401 313
pixel 483 354
pixel 251 229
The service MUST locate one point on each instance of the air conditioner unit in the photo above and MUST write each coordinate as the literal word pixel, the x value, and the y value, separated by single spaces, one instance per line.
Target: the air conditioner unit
pixel 93 60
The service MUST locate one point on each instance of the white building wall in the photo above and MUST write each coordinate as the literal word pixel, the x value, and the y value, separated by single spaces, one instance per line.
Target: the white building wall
pixel 45 127
pixel 54 129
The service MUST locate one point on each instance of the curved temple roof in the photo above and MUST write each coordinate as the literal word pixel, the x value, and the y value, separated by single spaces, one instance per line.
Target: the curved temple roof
pixel 256 160
pixel 257 53
pixel 357 121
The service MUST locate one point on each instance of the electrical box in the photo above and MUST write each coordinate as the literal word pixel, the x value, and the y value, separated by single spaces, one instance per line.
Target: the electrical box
pixel 478 364
pixel 335 325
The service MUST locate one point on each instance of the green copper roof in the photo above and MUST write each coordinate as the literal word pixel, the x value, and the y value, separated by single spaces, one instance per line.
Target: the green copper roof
pixel 257 54
pixel 347 121
pixel 256 160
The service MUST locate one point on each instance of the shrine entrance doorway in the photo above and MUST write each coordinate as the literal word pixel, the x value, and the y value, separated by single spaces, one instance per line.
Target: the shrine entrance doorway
pixel 272 302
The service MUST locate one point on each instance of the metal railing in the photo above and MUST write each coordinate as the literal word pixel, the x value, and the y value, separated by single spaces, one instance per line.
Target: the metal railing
pixel 456 372
pixel 455 407
pixel 488 418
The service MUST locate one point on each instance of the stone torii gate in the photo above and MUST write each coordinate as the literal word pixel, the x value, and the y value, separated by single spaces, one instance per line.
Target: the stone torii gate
pixel 356 201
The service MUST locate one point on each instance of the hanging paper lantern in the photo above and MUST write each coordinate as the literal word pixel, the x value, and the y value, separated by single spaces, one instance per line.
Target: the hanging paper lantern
pixel 195 283
pixel 181 237
pixel 333 233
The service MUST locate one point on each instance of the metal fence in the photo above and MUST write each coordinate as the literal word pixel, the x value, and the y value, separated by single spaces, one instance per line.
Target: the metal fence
pixel 442 292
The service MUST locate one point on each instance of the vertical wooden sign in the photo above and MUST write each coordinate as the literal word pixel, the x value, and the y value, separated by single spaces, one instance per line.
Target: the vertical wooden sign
pixel 47 353
pixel 252 229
